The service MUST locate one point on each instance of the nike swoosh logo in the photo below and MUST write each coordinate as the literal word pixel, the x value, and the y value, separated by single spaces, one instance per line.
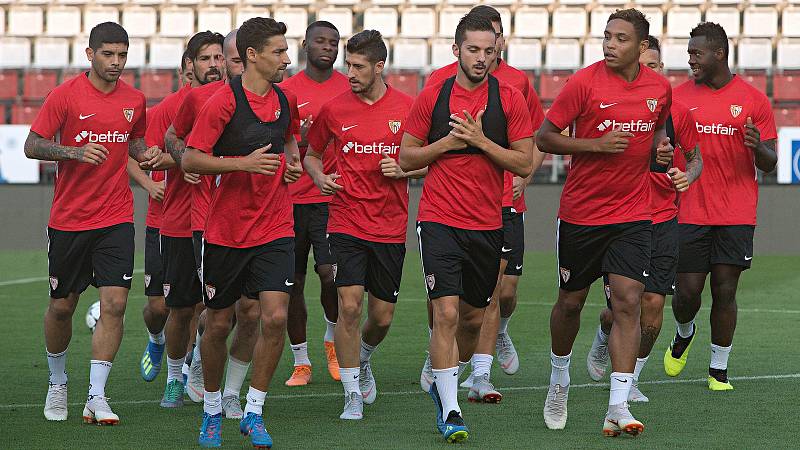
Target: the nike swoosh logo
pixel 748 258
pixel 82 117
pixel 604 106
pixel 621 381
pixel 288 283
pixel 126 277
pixel 302 104
pixel 519 267
pixel 396 293
pixel 344 128
pixel 645 273
pixel 692 109
pixel 505 250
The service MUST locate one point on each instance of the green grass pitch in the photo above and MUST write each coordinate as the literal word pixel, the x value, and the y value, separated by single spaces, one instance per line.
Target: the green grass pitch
pixel 762 411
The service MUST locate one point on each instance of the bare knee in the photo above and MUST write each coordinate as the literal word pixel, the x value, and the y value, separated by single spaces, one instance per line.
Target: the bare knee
pixel 570 305
pixel 273 320
pixel 113 307
pixel 217 324
pixel 247 313
pixel 445 315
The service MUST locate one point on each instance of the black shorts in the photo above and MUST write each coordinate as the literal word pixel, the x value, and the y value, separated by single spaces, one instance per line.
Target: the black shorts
pixel 375 265
pixel 702 246
pixel 102 257
pixel 586 252
pixel 310 230
pixel 663 261
pixel 153 269
pixel 228 272
pixel 460 262
pixel 181 282
pixel 513 248
pixel 197 244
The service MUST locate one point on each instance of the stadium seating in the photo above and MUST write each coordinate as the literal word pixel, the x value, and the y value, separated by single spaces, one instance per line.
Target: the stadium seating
pixel 165 53
pixel 15 52
pixel 63 21
pixel 550 85
pixel 757 79
pixel 9 85
pixel 247 12
pixel 94 15
pixel 384 19
pixel 214 18
pixel 295 19
pixel 727 17
pixel 787 116
pixel 448 19
pixel 760 22
pixel 24 20
pixel 37 84
pixel 791 21
pixel 407 82
pixel 51 53
pixel 342 18
pixel 592 51
pixel 677 78
pixel 755 53
pixel 562 54
pixel 176 21
pixel 441 52
pixel 157 84
pixel 535 20
pixel 788 54
pixel 786 87
pixel 24 113
pixel 681 20
pixel 410 54
pixel 525 54
pixel 418 23
pixel 139 21
pixel 569 22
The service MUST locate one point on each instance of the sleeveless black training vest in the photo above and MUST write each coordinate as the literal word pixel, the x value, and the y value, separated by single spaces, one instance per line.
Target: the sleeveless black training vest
pixel 246 132
pixel 494 119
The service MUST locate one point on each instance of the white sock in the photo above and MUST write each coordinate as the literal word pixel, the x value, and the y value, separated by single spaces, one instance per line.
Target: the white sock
pixel 212 402
pixel 447 385
pixel 57 363
pixel 719 357
pixel 349 376
pixel 197 339
pixel 559 372
pixel 98 375
pixel 620 388
pixel 481 364
pixel 685 330
pixel 602 337
pixel 234 377
pixel 157 338
pixel 329 328
pixel 461 366
pixel 174 369
pixel 196 356
pixel 637 370
pixel 430 332
pixel 255 401
pixel 300 352
pixel 366 351
pixel 503 325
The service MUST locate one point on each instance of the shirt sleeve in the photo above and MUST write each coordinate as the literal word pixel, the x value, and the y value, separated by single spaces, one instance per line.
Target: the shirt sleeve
pixel 151 137
pixel 52 115
pixel 294 124
pixel 140 127
pixel 686 130
pixel 184 119
pixel 764 119
pixel 665 111
pixel 418 123
pixel 320 132
pixel 569 103
pixel 518 117
pixel 534 107
pixel 211 121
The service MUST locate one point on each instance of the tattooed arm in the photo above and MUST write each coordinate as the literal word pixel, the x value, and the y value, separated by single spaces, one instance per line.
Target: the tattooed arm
pixel 150 158
pixel 37 147
pixel 175 145
pixel 694 165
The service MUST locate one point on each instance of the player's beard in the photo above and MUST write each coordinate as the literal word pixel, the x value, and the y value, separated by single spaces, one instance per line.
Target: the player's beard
pixel 473 78
pixel 321 65
pixel 363 87
pixel 102 72
pixel 204 79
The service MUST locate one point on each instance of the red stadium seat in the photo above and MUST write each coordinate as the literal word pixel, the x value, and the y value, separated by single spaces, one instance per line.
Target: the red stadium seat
pixel 786 87
pixel 9 85
pixel 677 78
pixel 757 79
pixel 38 83
pixel 129 77
pixel 787 116
pixel 157 85
pixel 23 114
pixel 550 84
pixel 407 82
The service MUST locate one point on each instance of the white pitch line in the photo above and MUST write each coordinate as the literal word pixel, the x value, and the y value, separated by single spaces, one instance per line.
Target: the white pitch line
pixel 417 391
pixel 39 279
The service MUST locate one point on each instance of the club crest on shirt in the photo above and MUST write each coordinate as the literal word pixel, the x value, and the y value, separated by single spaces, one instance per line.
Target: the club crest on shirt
pixel 736 110
pixel 166 289
pixel 651 104
pixel 210 290
pixel 53 283
pixel 394 125
pixel 430 280
pixel 564 274
pixel 128 113
pixel 147 278
pixel 277 114
pixel 608 290
pixel 335 269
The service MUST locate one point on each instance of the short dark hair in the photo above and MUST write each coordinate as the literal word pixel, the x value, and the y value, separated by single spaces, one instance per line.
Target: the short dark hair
pixel 472 22
pixel 368 43
pixel 255 33
pixel 107 33
pixel 200 40
pixel 635 17
pixel 653 44
pixel 184 59
pixel 715 35
pixel 488 12
pixel 321 24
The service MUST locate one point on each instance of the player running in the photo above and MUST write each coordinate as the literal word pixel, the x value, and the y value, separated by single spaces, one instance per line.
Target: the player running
pixel 664 246
pixel 313 86
pixel 181 280
pixel 248 245
pixel 475 127
pixel 360 130
pixel 619 108
pixel 96 121
pixel 718 215
pixel 494 332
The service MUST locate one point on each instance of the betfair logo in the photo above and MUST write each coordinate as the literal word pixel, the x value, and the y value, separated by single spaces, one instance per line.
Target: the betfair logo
pixel 108 136
pixel 376 148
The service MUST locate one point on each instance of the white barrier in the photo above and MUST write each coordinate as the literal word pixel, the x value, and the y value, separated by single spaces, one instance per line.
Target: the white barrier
pixel 14 166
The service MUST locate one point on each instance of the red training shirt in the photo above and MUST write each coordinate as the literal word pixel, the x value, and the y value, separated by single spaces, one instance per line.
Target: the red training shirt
pixel 355 134
pixel 89 197
pixel 519 80
pixel 310 98
pixel 246 209
pixel 605 188
pixel 663 197
pixel 177 206
pixel 153 218
pixel 183 123
pixel 727 191
pixel 466 191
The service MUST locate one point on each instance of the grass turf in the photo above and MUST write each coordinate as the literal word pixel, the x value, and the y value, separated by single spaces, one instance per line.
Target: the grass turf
pixel 684 414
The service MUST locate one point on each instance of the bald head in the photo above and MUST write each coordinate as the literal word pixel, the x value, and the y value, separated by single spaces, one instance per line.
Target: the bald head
pixel 233 63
